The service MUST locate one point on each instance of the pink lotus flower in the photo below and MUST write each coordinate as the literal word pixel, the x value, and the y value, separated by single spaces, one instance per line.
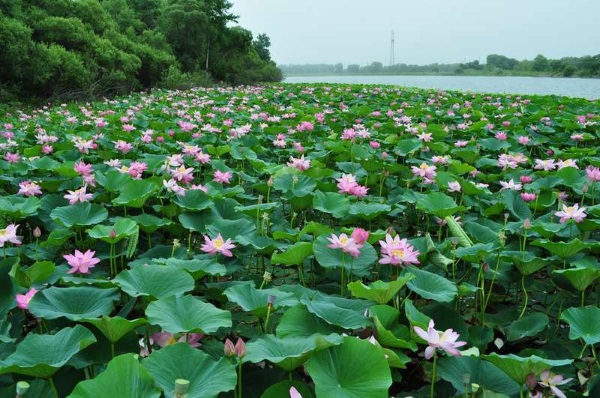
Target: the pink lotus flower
pixel 81 262
pixel 79 195
pixel 294 393
pixel 9 234
pixel 360 236
pixel 217 245
pixel 346 183
pixel 348 245
pixel 299 163
pixel 11 157
pixel 29 188
pixel 453 186
pixel 593 174
pixel 528 197
pixel 24 299
pixel 443 340
pixel 425 171
pixel 164 339
pixel 523 140
pixel 567 163
pixel 222 177
pixel 397 252
pixel 571 213
pixel 552 381
pixel 238 350
pixel 510 185
pixel 83 169
pixel 546 165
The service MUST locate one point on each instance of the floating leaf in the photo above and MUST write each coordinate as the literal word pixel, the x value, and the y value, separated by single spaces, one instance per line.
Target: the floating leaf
pixel 584 323
pixel 158 281
pixel 123 378
pixel 73 303
pixel 431 286
pixel 42 355
pixel 527 326
pixel 187 314
pixel 207 377
pixel 337 373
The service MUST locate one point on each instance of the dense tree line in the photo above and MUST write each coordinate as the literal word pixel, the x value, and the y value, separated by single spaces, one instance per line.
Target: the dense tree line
pixel 82 48
pixel 588 66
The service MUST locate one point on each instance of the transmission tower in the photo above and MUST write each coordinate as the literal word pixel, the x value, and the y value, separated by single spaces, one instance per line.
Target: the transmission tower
pixel 392 61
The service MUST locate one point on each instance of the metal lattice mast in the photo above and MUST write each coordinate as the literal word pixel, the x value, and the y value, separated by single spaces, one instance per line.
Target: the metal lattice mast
pixel 392 61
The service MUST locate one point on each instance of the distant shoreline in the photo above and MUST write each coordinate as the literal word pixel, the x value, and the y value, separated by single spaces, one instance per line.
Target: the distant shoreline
pixel 533 74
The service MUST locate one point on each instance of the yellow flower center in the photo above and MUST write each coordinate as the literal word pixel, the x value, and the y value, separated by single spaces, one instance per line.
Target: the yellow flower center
pixel 343 240
pixel 398 253
pixel 218 243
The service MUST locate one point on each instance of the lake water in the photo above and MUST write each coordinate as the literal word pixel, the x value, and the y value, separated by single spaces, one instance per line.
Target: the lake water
pixel 571 87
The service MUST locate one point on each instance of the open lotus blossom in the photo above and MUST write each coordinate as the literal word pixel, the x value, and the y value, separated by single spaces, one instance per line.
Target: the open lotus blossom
pixel 425 171
pixel 222 177
pixel 299 163
pixel 78 195
pixel 571 213
pixel 24 299
pixel 347 244
pixel 217 245
pixel 546 165
pixel 9 234
pixel 398 252
pixel 453 186
pixel 81 262
pixel 593 174
pixel 440 340
pixel 567 163
pixel 552 381
pixel 164 339
pixel 29 188
pixel 510 185
pixel 294 393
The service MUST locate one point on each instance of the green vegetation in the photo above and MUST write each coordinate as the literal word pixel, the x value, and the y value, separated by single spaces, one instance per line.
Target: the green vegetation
pixel 89 48
pixel 496 65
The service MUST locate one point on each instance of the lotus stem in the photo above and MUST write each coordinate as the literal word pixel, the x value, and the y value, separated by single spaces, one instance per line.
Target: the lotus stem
pixel 22 388
pixel 433 376
pixel 239 384
pixel 525 296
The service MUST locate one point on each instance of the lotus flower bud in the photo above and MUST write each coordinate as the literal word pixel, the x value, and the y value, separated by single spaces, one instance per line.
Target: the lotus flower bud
pixel 270 299
pixel 112 234
pixel 229 348
pixel 527 224
pixel 37 232
pixel 531 381
pixel 240 348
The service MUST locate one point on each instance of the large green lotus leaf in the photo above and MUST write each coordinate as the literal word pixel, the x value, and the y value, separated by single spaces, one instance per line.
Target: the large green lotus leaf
pixel 122 228
pixel 297 185
pixel 290 352
pixel 354 369
pixel 299 322
pixel 187 314
pixel 527 326
pixel 389 338
pixel 36 274
pixel 18 207
pixel 526 262
pixel 486 375
pixel 438 204
pixel 255 301
pixel 476 252
pixel 7 287
pixel 282 389
pixel 293 255
pixel 199 267
pixel 135 193
pixel 584 323
pixel 431 286
pixel 580 278
pixel 207 377
pixel 43 355
pixel 332 203
pixel 80 214
pixel 518 368
pixel 561 249
pixel 73 303
pixel 114 328
pixel 379 291
pixel 415 317
pixel 336 258
pixel 124 377
pixel 229 229
pixel 516 205
pixel 253 210
pixel 158 281
pixel 368 211
pixel 345 313
pixel 113 180
pixel 193 200
pixel 149 223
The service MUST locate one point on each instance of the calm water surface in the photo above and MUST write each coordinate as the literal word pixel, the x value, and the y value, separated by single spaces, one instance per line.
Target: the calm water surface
pixel 571 87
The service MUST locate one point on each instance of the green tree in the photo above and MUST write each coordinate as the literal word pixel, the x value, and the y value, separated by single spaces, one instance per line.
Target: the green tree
pixel 261 45
pixel 540 63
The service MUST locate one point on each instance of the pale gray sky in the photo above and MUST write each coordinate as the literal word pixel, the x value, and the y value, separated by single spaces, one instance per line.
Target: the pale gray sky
pixel 426 31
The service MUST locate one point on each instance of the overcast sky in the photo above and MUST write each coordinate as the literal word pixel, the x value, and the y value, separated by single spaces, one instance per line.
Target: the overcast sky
pixel 426 31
